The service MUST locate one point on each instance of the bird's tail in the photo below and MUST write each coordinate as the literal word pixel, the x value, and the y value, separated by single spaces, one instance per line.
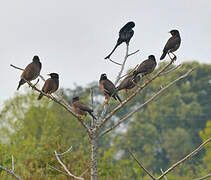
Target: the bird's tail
pixel 163 55
pixel 117 44
pixel 40 96
pixel 21 82
pixel 117 96
pixel 92 115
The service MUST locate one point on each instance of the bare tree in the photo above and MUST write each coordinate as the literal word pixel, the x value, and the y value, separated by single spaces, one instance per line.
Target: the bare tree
pixel 93 131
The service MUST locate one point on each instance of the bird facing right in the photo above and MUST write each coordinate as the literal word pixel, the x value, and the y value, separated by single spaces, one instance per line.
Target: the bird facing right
pixel 125 34
pixel 50 85
pixel 172 44
pixel 31 72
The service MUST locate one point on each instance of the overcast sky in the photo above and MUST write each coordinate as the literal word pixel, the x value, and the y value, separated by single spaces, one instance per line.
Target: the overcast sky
pixel 73 37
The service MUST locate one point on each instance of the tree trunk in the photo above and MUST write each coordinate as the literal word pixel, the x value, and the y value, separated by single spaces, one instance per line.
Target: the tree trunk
pixel 94 150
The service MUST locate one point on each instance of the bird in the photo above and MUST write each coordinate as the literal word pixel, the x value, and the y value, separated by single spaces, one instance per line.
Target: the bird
pixel 80 108
pixel 125 34
pixel 31 72
pixel 129 82
pixel 108 89
pixel 146 67
pixel 50 85
pixel 172 44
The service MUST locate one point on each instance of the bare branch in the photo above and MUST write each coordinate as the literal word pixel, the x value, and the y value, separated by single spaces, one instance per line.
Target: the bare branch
pixel 114 62
pixel 84 172
pixel 172 69
pixel 65 152
pixel 11 172
pixel 185 158
pixel 13 167
pixel 52 167
pixel 129 72
pixel 205 177
pixel 161 170
pixel 123 66
pixel 65 105
pixel 145 103
pixel 142 166
pixel 133 53
pixel 65 168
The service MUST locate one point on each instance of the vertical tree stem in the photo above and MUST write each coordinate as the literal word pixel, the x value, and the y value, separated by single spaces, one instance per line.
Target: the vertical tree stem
pixel 94 151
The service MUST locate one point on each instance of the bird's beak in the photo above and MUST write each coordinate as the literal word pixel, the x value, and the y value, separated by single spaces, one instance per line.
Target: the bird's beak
pixel 48 74
pixel 169 32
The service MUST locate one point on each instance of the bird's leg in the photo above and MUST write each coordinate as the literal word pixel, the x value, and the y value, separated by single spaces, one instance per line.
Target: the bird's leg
pixel 169 56
pixel 33 85
pixel 175 57
pixel 127 91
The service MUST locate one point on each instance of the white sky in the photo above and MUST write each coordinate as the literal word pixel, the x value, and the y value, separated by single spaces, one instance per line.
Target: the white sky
pixel 73 37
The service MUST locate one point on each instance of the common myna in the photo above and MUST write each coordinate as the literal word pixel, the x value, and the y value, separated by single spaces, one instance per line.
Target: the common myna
pixel 108 89
pixel 172 44
pixel 125 34
pixel 50 85
pixel 31 72
pixel 80 108
pixel 146 67
pixel 129 82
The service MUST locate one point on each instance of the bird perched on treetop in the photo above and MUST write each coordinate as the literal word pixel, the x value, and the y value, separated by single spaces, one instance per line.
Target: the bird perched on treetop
pixel 31 72
pixel 146 67
pixel 125 34
pixel 108 89
pixel 80 108
pixel 50 85
pixel 172 44
pixel 129 82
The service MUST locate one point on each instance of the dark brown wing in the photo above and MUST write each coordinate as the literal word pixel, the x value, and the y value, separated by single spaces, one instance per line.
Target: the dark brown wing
pixel 82 106
pixel 31 72
pixel 145 66
pixel 50 86
pixel 125 83
pixel 172 43
pixel 109 87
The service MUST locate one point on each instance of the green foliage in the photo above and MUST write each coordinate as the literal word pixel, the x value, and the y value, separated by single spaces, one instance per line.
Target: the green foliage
pixel 160 134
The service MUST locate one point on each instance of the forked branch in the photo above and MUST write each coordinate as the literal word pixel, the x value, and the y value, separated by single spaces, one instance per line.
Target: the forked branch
pixel 64 166
pixel 177 163
pixel 11 172
pixel 64 104
pixel 145 103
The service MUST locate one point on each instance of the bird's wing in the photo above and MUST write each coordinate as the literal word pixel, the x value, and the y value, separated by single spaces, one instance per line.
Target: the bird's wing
pixel 82 106
pixel 171 43
pixel 109 87
pixel 145 65
pixel 49 86
pixel 125 82
pixel 31 72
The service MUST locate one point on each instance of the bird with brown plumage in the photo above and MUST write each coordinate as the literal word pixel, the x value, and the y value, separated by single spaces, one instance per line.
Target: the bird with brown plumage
pixel 108 89
pixel 31 72
pixel 172 44
pixel 129 83
pixel 146 67
pixel 125 34
pixel 50 85
pixel 81 109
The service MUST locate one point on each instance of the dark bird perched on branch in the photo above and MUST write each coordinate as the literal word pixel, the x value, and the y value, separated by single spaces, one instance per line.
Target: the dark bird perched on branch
pixel 108 89
pixel 31 72
pixel 50 85
pixel 129 82
pixel 172 44
pixel 80 108
pixel 146 67
pixel 125 34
